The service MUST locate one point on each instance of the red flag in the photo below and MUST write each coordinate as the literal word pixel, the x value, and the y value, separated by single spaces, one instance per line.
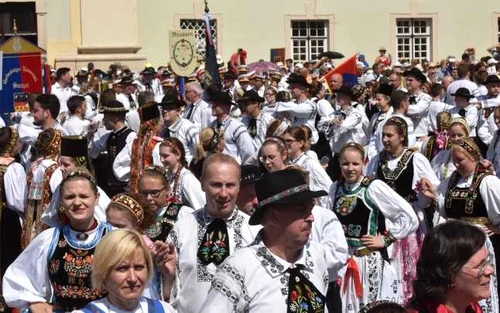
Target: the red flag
pixel 347 69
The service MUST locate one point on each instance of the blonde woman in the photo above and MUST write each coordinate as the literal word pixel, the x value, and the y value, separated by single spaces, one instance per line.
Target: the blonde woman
pixel 211 142
pixel 123 267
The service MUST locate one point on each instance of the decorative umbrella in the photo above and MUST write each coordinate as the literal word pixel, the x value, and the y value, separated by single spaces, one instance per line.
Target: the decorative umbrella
pixel 262 67
pixel 331 55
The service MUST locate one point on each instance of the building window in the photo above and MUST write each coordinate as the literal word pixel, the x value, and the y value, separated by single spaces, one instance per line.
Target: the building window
pixel 414 38
pixel 199 32
pixel 309 39
pixel 25 15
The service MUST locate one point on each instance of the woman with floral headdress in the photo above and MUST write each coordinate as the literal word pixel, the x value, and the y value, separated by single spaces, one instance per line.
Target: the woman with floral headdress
pixel 53 272
pixel 362 205
pixel 184 186
pixel 211 141
pixel 143 151
pixel 471 194
pixel 43 178
pixel 442 164
pixel 402 168
pixel 437 141
pixel 13 192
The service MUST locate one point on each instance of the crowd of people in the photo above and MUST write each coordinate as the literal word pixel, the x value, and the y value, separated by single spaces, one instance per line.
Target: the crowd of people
pixel 277 191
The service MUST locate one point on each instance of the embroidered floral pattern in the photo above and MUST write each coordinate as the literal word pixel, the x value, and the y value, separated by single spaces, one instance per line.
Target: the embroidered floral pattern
pixel 283 194
pixel 215 245
pixel 402 163
pixel 303 296
pixel 469 195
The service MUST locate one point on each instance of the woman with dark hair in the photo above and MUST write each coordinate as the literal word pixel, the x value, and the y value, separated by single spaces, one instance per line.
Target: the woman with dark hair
pixel 184 187
pixel 453 270
pixel 471 195
pixel 298 144
pixel 13 192
pixel 402 168
pixel 53 272
pixel 43 178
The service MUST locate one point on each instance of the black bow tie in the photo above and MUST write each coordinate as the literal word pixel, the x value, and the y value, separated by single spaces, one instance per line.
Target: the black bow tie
pixel 462 112
pixel 215 244
pixel 303 296
pixel 252 127
pixel 413 99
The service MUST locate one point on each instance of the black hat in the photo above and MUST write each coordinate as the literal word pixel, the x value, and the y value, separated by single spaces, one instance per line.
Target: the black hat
pixel 295 78
pixel 345 90
pixel 251 96
pixel 492 79
pixel 417 74
pixel 148 71
pixel 220 97
pixel 282 187
pixel 113 106
pixel 98 73
pixel 463 93
pixel 74 146
pixel 149 111
pixel 82 73
pixel 171 99
pixel 230 75
pixel 385 89
pixel 250 174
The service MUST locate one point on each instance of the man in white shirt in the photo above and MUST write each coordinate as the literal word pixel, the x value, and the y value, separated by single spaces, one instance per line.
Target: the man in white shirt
pixel 75 124
pixel 419 102
pixel 238 142
pixel 465 109
pixel 204 239
pixel 255 121
pixel 197 110
pixel 62 88
pixel 281 271
pixel 463 81
pixel 177 126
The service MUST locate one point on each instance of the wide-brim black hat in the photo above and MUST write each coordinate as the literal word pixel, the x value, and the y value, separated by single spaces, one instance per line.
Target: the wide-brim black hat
pixel 282 187
pixel 230 75
pixel 417 74
pixel 463 92
pixel 148 71
pixel 220 97
pixel 171 99
pixel 345 90
pixel 113 106
pixel 74 146
pixel 492 79
pixel 250 96
pixel 149 111
pixel 385 89
pixel 298 79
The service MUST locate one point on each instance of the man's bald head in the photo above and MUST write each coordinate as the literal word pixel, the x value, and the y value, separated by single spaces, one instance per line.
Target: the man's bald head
pixel 336 81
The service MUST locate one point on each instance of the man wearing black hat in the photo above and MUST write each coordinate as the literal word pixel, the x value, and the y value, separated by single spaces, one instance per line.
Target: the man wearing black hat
pixel 486 122
pixel 238 141
pixel 255 121
pixel 462 81
pixel 123 92
pixel 282 270
pixel 419 102
pixel 229 78
pixel 113 142
pixel 177 126
pixel 149 82
pixel 463 108
pixel 303 111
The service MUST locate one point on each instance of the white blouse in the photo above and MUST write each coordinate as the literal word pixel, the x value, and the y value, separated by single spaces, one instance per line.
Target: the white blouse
pixel 188 190
pixel 443 165
pixel 16 188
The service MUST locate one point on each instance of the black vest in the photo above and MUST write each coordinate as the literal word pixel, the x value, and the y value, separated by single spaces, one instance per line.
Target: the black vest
pixel 465 202
pixel 70 270
pixel 401 178
pixel 356 214
pixel 116 142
